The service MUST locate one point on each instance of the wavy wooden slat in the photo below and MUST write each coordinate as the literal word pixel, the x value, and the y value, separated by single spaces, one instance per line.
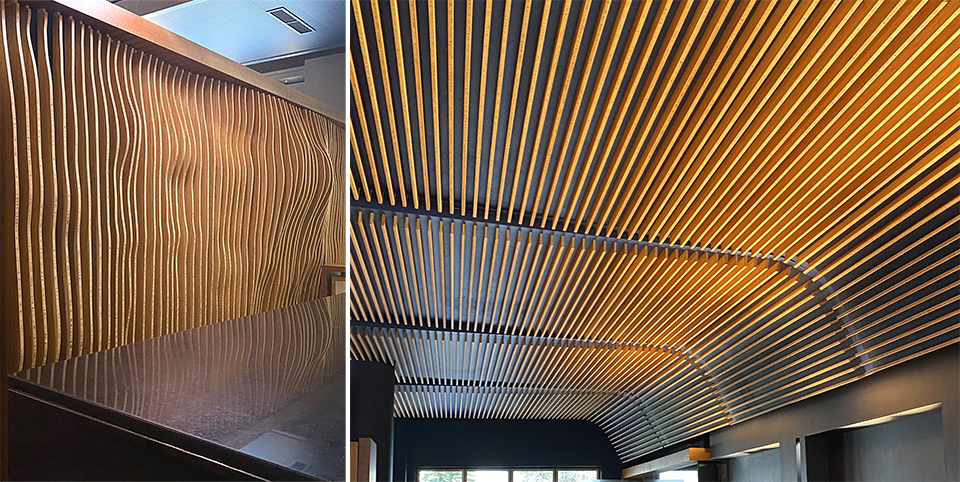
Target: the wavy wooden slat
pixel 146 199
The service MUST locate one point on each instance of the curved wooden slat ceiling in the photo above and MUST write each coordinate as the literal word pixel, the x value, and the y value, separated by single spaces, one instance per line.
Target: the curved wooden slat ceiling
pixel 664 217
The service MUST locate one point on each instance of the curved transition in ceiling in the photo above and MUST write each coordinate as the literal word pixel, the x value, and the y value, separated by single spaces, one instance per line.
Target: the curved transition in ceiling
pixel 663 217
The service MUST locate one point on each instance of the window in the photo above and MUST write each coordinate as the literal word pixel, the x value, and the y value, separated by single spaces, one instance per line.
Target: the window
pixel 577 475
pixel 687 475
pixel 508 475
pixel 488 476
pixel 532 476
pixel 441 476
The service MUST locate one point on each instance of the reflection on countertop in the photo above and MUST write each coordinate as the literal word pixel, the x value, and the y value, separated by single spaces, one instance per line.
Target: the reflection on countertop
pixel 269 385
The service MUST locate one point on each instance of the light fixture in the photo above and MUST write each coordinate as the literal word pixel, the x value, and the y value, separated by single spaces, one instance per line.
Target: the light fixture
pixel 752 451
pixel 890 418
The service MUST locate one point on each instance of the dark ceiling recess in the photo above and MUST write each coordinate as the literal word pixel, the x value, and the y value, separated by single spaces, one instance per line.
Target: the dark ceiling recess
pixel 291 20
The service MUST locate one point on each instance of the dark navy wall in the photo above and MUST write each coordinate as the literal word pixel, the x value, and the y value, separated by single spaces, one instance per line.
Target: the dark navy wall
pixel 371 409
pixel 439 443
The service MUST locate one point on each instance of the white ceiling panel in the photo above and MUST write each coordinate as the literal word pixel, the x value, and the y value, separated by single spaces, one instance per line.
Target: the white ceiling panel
pixel 244 31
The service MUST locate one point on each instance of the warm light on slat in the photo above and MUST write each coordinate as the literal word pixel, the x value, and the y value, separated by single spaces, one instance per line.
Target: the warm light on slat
pixel 678 215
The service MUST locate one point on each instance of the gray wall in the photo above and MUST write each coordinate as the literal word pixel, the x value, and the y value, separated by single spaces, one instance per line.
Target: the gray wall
pixel 908 448
pixel 324 79
pixel 932 378
pixel 761 466
pixel 890 452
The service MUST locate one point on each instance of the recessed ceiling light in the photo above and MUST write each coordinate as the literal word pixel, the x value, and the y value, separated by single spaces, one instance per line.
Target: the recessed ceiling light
pixel 291 20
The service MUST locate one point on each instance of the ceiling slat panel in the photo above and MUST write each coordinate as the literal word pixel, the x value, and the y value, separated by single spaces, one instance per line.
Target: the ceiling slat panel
pixel 679 215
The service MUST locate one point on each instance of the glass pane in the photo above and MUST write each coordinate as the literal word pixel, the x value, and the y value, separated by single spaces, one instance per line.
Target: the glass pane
pixel 576 475
pixel 678 476
pixel 488 476
pixel 441 476
pixel 532 476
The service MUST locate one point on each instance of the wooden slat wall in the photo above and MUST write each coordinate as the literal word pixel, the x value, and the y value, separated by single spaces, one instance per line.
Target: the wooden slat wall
pixel 766 190
pixel 148 199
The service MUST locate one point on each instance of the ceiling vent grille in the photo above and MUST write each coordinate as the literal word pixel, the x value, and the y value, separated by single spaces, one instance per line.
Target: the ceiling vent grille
pixel 291 20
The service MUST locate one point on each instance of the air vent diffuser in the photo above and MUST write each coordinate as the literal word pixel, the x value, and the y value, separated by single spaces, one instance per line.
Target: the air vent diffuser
pixel 291 20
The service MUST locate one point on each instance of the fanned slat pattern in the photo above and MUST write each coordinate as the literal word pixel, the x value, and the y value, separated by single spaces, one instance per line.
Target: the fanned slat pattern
pixel 661 216
pixel 148 199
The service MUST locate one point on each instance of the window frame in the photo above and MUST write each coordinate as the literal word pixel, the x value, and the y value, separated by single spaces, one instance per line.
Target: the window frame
pixel 509 470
